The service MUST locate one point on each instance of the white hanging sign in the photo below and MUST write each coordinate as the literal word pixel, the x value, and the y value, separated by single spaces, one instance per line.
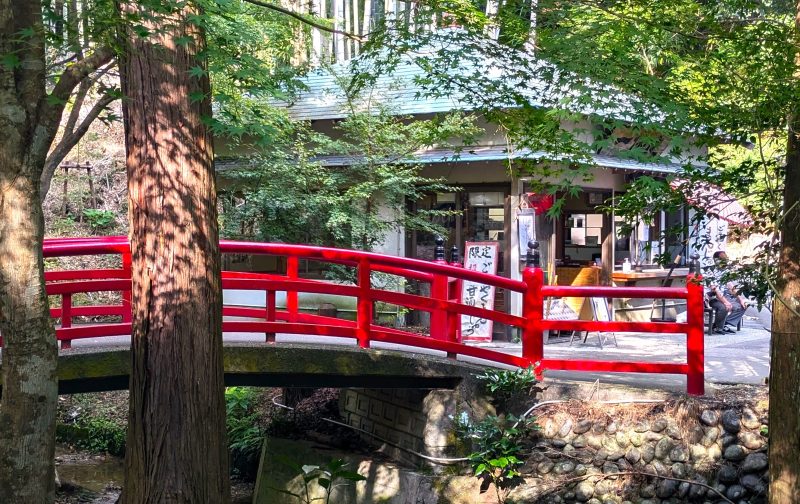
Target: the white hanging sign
pixel 481 257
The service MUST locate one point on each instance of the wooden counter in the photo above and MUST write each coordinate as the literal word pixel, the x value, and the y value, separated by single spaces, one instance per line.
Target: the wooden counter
pixel 632 278
pixel 640 310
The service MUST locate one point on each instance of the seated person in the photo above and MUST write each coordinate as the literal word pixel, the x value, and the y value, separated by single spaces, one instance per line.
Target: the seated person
pixel 728 304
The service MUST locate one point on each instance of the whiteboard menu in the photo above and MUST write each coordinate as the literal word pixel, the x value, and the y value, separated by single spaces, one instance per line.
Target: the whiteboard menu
pixel 481 257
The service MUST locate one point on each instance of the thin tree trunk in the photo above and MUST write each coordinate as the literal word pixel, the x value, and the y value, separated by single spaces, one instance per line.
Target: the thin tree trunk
pixel 176 450
pixel 29 356
pixel 784 378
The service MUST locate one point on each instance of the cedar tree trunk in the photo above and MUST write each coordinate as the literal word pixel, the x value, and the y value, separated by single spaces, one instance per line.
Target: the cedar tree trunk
pixel 784 378
pixel 176 447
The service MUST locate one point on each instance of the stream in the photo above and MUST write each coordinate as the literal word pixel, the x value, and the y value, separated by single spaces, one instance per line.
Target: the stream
pixel 97 479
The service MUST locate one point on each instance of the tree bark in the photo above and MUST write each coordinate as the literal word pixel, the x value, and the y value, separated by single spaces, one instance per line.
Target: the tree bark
pixel 176 447
pixel 30 390
pixel 784 377
pixel 29 356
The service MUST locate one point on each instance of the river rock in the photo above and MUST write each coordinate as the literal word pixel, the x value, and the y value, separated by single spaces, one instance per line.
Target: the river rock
pixel 735 492
pixel 750 419
pixel 735 453
pixel 636 438
pixel 730 421
pixel 601 454
pixel 594 500
pixel 579 441
pixel 594 441
pixel 622 439
pixel 697 452
pixel 566 428
pixel 679 454
pixel 667 488
pixel 653 436
pixel 660 468
pixel 612 427
pixel 633 455
pixel 558 443
pixel 678 470
pixel 599 427
pixel 696 434
pixel 751 440
pixel 673 431
pixel 648 453
pixel 609 443
pixel 610 468
pixel 648 491
pixel 709 417
pixel 616 455
pixel 714 452
pixel 663 448
pixel 580 470
pixel 550 429
pixel 710 437
pixel 727 474
pixel 545 467
pixel 564 467
pixel 728 439
pixel 658 425
pixel 683 489
pixel 584 491
pixel 697 491
pixel 602 488
pixel 753 483
pixel 582 426
pixel 755 462
pixel 641 426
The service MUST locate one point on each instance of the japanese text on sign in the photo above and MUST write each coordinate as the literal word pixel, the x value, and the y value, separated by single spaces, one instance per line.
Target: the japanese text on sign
pixel 481 257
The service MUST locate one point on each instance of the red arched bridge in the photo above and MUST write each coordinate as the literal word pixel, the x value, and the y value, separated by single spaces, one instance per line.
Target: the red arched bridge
pixel 79 320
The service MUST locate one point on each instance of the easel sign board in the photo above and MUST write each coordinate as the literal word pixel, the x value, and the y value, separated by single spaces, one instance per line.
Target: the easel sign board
pixel 601 310
pixel 481 257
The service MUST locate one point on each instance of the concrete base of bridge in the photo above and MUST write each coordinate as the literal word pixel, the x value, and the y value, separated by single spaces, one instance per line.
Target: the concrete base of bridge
pixel 400 401
pixel 94 369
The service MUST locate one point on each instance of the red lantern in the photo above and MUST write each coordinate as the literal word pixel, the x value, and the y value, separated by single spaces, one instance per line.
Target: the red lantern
pixel 539 202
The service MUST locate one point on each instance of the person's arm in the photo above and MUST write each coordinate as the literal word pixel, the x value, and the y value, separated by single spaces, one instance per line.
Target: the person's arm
pixel 733 290
pixel 721 299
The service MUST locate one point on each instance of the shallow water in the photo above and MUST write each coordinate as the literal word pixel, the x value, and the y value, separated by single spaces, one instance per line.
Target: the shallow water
pixel 92 472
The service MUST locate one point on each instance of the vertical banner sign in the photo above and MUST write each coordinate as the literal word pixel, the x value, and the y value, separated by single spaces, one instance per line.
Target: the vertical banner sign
pixel 481 257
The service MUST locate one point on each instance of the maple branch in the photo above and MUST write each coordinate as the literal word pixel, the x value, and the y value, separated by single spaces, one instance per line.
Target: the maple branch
pixel 306 20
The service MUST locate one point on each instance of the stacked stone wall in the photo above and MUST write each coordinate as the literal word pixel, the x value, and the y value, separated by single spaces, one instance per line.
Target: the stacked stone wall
pixel 697 444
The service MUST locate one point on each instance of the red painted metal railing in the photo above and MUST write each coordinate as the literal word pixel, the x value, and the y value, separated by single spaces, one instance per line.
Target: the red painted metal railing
pixel 442 304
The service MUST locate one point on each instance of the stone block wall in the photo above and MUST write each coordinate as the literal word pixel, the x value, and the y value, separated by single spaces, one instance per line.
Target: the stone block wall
pixel 715 444
pixel 418 420
pixel 395 415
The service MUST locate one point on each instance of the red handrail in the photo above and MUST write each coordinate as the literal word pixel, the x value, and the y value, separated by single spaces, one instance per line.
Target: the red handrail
pixel 443 304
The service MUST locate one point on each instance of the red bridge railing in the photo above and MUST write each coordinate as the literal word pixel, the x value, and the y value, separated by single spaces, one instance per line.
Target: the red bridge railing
pixel 444 307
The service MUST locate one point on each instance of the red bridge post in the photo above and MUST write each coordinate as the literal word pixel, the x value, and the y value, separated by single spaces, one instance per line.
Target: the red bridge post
pixel 127 308
pixel 454 296
pixel 66 318
pixel 695 343
pixel 439 293
pixel 364 308
pixel 292 302
pixel 533 308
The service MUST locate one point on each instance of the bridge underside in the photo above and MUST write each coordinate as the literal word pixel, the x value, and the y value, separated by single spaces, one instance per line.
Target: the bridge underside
pixel 108 368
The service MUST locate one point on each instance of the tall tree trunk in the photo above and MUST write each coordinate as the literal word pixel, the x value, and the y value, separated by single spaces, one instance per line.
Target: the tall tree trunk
pixel 176 449
pixel 29 356
pixel 784 377
pixel 30 391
